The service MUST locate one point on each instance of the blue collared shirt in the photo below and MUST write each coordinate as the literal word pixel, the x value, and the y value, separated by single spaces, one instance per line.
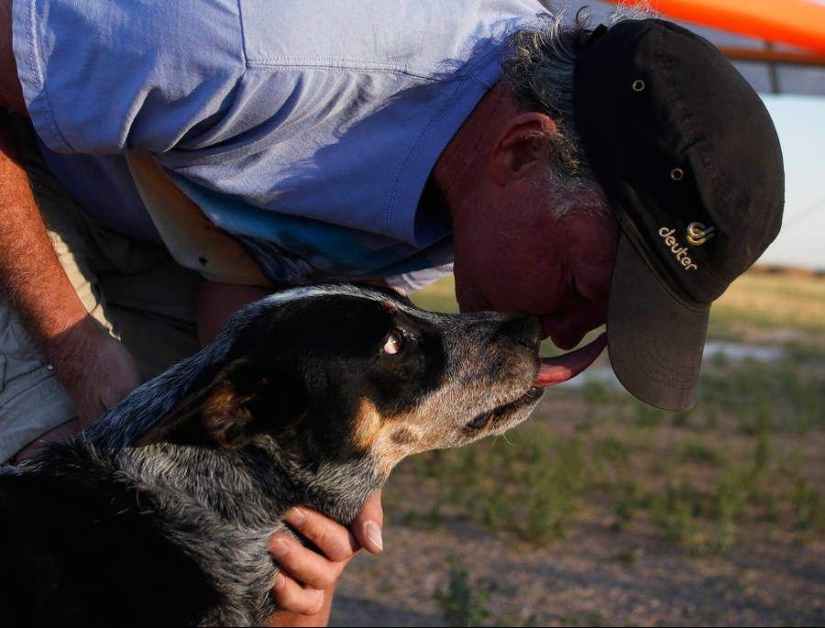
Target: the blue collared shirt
pixel 308 128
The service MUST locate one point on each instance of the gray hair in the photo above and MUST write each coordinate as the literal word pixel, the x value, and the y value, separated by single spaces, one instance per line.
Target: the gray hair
pixel 538 71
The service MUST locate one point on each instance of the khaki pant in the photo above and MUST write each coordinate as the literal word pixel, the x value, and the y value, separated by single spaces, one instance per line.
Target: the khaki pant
pixel 133 288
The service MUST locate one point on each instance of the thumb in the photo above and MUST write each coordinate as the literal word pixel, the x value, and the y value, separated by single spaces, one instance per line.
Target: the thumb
pixel 368 524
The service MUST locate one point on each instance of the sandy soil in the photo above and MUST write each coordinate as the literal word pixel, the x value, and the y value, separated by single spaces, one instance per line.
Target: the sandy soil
pixel 594 577
pixel 597 575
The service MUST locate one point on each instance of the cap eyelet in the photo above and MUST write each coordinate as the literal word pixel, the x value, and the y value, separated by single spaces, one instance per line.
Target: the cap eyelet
pixel 638 85
pixel 677 174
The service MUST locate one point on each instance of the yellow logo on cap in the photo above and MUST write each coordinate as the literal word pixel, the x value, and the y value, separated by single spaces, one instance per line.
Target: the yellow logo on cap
pixel 697 233
pixel 679 252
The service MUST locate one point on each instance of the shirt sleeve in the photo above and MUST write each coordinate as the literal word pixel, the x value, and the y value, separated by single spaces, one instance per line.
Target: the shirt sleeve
pixel 108 77
pixel 418 279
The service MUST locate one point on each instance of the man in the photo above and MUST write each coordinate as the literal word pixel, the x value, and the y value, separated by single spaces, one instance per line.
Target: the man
pixel 624 176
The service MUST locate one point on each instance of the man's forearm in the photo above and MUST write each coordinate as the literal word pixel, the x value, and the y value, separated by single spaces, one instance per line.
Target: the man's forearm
pixel 31 275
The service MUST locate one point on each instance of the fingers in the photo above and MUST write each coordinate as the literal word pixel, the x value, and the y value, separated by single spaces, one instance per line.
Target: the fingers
pixel 331 538
pixel 303 564
pixel 292 597
pixel 306 574
pixel 367 525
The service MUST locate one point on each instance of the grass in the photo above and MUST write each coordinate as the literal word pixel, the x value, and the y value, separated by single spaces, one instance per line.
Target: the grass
pixel 747 459
pixel 773 300
pixel 465 601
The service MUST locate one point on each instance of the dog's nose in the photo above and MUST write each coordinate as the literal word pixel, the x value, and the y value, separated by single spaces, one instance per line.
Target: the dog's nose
pixel 522 329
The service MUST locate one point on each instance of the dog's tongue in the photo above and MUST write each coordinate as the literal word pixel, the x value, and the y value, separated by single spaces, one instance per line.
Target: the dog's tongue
pixel 566 366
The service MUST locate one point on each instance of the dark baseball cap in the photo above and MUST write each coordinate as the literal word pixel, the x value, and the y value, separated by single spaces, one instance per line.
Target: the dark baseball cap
pixel 691 164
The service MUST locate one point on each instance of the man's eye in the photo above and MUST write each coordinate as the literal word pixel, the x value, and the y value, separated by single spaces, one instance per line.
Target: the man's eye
pixel 394 342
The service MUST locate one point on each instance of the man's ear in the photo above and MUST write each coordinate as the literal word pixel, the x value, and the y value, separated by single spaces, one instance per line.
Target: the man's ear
pixel 231 409
pixel 520 148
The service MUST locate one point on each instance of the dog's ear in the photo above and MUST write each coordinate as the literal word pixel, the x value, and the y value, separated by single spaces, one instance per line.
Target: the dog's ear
pixel 240 402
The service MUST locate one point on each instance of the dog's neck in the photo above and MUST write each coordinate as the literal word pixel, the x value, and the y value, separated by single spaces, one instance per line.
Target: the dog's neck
pixel 338 489
pixel 253 487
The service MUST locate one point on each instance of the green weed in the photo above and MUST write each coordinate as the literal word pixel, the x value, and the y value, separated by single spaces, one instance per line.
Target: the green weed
pixel 465 601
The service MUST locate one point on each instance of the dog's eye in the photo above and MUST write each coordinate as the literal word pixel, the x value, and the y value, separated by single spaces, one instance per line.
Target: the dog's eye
pixel 394 342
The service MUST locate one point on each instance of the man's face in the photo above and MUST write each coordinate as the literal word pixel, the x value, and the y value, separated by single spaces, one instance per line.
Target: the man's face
pixel 518 258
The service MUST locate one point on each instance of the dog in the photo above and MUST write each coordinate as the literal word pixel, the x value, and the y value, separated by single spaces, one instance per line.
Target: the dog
pixel 160 512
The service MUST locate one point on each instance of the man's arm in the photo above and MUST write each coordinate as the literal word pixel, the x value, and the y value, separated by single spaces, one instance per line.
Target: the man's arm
pixel 96 369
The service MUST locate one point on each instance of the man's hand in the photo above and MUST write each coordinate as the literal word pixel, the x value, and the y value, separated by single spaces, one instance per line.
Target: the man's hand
pixel 304 587
pixel 96 370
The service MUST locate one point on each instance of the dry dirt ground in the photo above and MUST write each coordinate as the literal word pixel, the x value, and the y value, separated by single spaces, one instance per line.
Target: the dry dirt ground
pixel 595 575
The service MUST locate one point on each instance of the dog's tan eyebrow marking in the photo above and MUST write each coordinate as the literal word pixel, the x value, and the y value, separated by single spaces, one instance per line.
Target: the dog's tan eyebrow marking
pixel 366 426
pixel 388 441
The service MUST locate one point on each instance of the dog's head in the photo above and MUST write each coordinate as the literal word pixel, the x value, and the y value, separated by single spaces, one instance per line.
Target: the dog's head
pixel 340 372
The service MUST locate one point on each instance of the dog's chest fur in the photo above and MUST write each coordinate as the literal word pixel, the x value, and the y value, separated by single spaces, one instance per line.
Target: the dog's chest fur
pixel 188 530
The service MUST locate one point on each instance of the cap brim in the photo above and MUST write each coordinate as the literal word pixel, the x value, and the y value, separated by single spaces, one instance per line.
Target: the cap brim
pixel 655 340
